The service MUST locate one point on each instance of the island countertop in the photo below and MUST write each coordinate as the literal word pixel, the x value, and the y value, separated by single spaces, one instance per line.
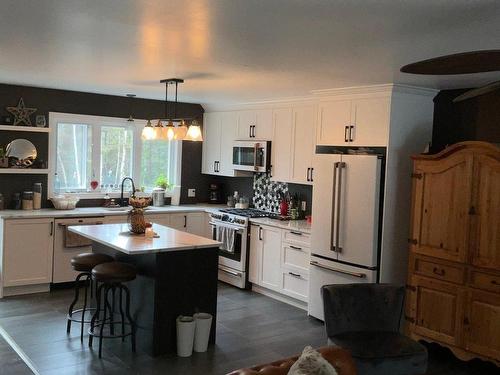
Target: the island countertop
pixel 118 237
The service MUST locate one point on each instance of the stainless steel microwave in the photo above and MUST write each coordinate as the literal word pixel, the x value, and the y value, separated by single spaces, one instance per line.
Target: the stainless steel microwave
pixel 252 156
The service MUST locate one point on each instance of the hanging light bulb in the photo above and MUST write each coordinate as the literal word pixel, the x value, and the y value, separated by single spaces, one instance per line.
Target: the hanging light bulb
pixel 148 133
pixel 181 131
pixel 194 132
pixel 170 130
pixel 159 130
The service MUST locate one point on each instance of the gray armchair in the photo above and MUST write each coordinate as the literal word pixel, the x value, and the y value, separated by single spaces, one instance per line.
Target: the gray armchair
pixel 365 319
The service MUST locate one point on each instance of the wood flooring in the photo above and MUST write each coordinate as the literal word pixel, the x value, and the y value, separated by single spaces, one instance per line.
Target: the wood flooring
pixel 251 329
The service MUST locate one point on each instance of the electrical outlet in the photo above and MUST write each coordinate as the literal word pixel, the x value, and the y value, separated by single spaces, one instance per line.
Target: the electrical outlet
pixel 191 193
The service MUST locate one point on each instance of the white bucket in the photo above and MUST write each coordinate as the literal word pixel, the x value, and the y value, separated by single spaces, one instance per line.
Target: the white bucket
pixel 185 335
pixel 202 333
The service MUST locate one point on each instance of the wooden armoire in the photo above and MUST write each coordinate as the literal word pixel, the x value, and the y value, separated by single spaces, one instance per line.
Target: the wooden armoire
pixel 453 291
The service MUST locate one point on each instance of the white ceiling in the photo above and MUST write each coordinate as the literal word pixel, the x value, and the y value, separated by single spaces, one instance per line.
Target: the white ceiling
pixel 232 51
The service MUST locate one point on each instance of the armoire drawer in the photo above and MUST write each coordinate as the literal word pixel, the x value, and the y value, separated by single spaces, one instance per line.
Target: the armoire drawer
pixel 485 281
pixel 446 272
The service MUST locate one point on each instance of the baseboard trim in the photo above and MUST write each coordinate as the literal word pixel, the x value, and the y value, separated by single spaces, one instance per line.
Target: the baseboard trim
pixel 25 289
pixel 280 297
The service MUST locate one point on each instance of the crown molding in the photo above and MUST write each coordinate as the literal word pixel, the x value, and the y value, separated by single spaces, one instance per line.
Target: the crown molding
pixel 387 88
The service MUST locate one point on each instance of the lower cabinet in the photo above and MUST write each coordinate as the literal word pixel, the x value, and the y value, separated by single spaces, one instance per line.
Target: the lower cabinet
pixel 276 264
pixel 27 251
pixel 191 222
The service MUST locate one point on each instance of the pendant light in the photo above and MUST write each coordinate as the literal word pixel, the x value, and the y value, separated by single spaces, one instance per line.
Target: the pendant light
pixel 148 133
pixel 194 132
pixel 130 117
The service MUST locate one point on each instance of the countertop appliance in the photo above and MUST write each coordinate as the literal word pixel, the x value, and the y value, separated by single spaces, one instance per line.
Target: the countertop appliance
pixel 346 230
pixel 254 156
pixel 215 193
pixel 233 225
pixel 66 246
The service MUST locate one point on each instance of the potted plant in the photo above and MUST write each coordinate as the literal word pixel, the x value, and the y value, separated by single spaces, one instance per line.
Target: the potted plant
pixel 162 182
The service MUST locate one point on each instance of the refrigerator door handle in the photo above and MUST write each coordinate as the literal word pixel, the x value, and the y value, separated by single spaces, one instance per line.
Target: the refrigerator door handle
pixel 338 249
pixel 355 274
pixel 333 244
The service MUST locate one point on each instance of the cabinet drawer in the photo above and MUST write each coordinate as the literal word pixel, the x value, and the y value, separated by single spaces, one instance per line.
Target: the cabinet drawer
pixel 296 285
pixel 297 238
pixel 295 257
pixel 446 272
pixel 485 281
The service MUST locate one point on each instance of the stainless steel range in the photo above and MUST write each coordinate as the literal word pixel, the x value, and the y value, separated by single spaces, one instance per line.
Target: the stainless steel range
pixel 231 227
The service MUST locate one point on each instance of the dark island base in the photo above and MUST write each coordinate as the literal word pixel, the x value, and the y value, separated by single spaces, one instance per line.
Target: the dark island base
pixel 169 284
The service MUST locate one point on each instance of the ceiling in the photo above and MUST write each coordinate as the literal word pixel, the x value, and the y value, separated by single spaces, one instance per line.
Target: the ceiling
pixel 233 51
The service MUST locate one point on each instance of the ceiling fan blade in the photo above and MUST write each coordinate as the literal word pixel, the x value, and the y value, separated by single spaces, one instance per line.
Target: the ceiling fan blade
pixel 478 92
pixel 458 63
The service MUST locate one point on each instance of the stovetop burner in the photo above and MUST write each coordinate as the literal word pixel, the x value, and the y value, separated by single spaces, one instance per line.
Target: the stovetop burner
pixel 246 212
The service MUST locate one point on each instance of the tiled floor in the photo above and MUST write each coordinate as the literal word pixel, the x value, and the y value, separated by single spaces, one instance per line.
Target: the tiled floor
pixel 251 329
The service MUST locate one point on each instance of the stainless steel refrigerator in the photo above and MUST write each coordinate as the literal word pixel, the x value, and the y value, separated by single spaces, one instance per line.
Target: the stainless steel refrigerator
pixel 346 225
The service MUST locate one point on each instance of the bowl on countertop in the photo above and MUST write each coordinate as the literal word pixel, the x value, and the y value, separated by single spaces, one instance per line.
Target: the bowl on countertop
pixel 64 202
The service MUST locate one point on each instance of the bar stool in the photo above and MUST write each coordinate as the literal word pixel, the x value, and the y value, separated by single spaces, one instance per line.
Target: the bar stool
pixel 84 263
pixel 111 277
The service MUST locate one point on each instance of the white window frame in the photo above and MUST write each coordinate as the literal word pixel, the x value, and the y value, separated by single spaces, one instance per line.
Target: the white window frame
pixel 97 122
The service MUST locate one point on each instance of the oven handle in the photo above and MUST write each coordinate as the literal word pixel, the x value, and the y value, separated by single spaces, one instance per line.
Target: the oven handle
pixel 237 229
pixel 355 274
pixel 232 273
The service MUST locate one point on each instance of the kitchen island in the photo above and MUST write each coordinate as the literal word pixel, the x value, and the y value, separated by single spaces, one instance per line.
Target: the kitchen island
pixel 176 275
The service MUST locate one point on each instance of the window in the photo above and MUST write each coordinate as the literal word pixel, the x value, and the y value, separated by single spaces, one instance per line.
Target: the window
pixel 91 155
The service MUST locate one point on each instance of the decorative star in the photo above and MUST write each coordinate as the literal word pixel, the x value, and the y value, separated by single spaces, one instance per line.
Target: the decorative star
pixel 21 113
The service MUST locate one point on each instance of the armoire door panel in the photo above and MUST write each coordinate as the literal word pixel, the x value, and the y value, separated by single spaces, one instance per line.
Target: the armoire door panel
pixel 485 241
pixel 445 201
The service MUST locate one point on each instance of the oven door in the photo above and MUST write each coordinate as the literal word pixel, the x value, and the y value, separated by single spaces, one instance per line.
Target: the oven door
pixel 236 258
pixel 250 156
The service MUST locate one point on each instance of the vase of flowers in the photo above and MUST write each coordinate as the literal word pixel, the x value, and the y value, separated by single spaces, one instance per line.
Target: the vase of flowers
pixel 136 221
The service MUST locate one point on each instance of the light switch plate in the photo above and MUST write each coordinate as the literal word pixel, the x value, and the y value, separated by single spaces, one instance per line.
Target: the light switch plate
pixel 191 193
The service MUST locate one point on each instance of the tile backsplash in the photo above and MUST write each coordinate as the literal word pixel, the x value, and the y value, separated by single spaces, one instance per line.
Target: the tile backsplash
pixel 267 193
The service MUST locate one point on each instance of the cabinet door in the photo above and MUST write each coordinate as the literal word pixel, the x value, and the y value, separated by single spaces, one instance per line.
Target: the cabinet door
pixel 229 127
pixel 196 223
pixel 370 118
pixel 482 323
pixel 247 120
pixel 441 207
pixel 303 133
pixel 211 141
pixel 118 219
pixel 485 223
pixel 271 257
pixel 437 308
pixel 334 117
pixel 255 257
pixel 163 219
pixel 179 221
pixel 281 146
pixel 264 128
pixel 28 251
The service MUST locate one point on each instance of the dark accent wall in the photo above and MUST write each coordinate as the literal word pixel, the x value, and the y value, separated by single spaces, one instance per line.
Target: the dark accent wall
pixel 52 100
pixel 476 119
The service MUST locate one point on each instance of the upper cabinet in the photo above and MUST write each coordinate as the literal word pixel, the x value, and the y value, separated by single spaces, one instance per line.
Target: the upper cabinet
pixel 219 132
pixel 303 134
pixel 355 122
pixel 281 145
pixel 255 124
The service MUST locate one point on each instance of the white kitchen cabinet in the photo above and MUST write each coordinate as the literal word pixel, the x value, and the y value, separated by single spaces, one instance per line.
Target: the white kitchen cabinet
pixel 191 222
pixel 211 142
pixel 303 144
pixel 120 219
pixel 228 134
pixel 255 124
pixel 281 146
pixel 271 251
pixel 28 246
pixel 161 219
pixel 255 256
pixel 295 284
pixel 354 122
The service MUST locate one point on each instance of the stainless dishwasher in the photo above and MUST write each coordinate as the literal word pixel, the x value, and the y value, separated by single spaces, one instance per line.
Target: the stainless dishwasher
pixel 62 271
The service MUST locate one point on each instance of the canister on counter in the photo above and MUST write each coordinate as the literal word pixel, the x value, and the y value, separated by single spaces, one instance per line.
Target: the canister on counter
pixel 37 196
pixel 27 201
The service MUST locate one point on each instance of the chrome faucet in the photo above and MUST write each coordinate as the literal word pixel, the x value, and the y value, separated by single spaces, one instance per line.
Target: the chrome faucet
pixel 123 201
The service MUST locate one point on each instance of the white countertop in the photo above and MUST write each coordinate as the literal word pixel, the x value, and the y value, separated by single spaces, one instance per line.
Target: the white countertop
pixel 296 225
pixel 101 211
pixel 118 237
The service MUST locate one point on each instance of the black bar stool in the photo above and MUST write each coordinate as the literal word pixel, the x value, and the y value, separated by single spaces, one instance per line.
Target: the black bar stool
pixel 111 277
pixel 84 263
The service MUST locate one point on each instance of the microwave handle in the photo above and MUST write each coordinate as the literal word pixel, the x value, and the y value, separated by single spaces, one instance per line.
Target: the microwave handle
pixel 255 151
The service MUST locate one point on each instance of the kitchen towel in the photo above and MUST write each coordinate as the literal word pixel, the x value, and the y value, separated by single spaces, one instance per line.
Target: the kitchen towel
pixel 226 236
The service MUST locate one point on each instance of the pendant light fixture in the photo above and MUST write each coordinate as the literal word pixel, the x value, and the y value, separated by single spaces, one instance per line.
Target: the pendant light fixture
pixel 130 117
pixel 170 131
